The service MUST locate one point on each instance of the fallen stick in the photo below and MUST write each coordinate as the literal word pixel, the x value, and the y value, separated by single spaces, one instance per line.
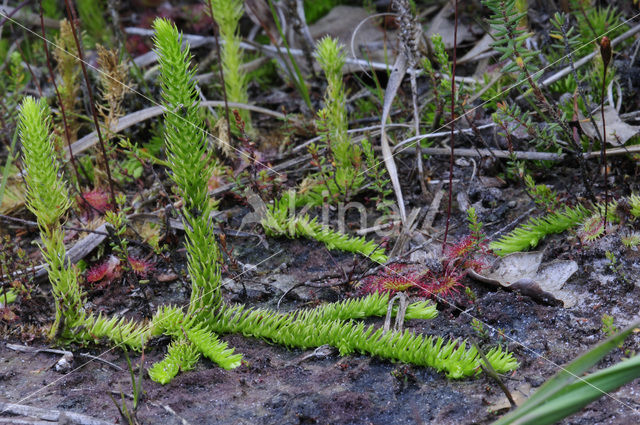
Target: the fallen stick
pixel 50 415
pixel 195 40
pixel 28 17
pixel 17 421
pixel 534 156
pixel 566 70
pixel 134 118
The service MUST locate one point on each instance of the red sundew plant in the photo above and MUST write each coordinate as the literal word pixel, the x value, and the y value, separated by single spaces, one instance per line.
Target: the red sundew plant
pixel 95 201
pixel 412 278
pixel 141 267
pixel 441 284
pixel 395 277
pixel 111 269
pixel 470 252
pixel 105 272
pixel 591 229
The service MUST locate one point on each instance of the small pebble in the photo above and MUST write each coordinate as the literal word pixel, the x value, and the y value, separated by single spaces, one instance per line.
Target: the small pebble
pixel 65 363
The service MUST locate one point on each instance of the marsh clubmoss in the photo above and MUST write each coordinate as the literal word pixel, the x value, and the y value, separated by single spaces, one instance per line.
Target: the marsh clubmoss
pixel 181 356
pixel 189 159
pixel 338 178
pixel 332 324
pixel 341 175
pixel 279 221
pixel 227 14
pixel 48 199
pixel 528 235
pixel 194 332
pixel 190 340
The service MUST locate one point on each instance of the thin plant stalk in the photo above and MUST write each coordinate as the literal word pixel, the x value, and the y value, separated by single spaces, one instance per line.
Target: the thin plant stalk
pixel 577 146
pixel 605 51
pixel 298 81
pixel 224 87
pixel 453 119
pixel 60 102
pixel 73 19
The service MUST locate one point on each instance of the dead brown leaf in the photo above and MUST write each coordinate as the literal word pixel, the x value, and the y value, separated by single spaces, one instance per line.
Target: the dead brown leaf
pixel 525 273
pixel 618 131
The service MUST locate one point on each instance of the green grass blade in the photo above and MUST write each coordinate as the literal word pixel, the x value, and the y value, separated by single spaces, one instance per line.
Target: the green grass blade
pixel 298 80
pixel 567 376
pixel 577 395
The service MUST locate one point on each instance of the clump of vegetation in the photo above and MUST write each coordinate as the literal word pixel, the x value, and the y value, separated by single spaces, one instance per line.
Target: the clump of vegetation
pixel 194 331
pixel 172 165
pixel 339 175
pixel 91 15
pixel 542 194
pixel 439 71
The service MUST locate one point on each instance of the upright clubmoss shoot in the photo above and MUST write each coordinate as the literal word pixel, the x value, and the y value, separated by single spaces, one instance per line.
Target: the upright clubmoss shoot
pixel 227 14
pixel 339 175
pixel 331 58
pixel 189 159
pixel 48 199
